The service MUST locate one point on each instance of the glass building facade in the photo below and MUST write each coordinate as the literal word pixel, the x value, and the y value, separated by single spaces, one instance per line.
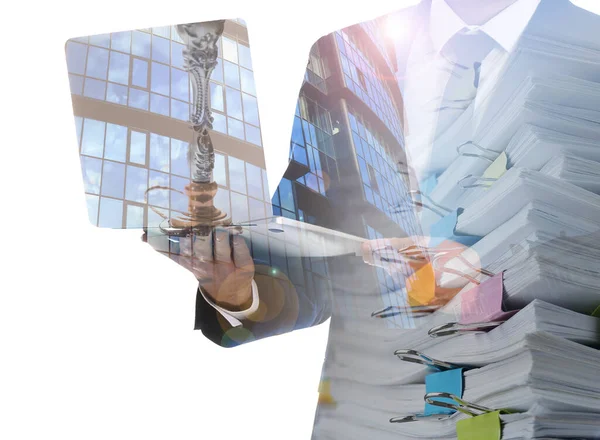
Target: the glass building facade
pixel 347 140
pixel 132 100
pixel 142 71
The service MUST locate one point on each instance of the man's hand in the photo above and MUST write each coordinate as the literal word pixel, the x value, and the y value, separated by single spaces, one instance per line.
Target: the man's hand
pixel 426 266
pixel 222 264
pixel 389 253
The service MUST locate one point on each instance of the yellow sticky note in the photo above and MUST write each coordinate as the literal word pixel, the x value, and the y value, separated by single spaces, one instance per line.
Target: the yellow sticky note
pixel 325 396
pixel 420 286
pixel 496 169
pixel 484 427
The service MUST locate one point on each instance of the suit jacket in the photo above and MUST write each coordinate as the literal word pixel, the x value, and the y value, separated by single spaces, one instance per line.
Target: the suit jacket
pixel 283 307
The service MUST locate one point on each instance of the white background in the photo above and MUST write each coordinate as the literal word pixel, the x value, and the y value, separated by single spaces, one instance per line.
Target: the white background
pixel 96 338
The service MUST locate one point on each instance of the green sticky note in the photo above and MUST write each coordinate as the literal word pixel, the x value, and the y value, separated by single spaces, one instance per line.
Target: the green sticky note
pixel 496 169
pixel 596 313
pixel 483 427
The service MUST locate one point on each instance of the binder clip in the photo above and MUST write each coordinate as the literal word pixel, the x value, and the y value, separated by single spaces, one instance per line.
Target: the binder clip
pixel 489 176
pixel 452 328
pixel 449 381
pixel 477 147
pixel 470 181
pixel 415 311
pixel 440 210
pixel 418 417
pixel 417 357
pixel 459 405
pixel 388 254
pixel 459 273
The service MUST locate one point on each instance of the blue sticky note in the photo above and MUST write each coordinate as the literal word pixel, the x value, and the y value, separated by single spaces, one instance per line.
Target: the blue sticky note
pixel 445 229
pixel 427 186
pixel 450 381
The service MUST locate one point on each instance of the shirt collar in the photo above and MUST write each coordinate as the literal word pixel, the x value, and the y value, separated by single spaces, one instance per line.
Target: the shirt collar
pixel 505 28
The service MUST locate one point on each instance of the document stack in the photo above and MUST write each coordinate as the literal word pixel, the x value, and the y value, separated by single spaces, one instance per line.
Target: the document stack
pixel 534 371
pixel 514 355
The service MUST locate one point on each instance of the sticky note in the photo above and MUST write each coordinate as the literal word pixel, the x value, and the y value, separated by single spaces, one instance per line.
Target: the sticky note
pixel 484 427
pixel 445 229
pixel 450 381
pixel 420 286
pixel 428 185
pixel 325 396
pixel 483 303
pixel 495 170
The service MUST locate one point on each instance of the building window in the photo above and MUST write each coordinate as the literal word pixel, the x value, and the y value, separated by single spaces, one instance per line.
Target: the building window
pixel 365 81
pixel 144 69
pixel 383 184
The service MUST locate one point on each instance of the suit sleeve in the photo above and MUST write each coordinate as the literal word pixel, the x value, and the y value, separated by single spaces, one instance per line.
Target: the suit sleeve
pixel 282 308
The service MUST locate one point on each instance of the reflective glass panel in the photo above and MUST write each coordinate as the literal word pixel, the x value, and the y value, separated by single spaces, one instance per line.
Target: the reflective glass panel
pixel 230 52
pixel 111 213
pixel 116 143
pixel 121 41
pixel 160 79
pixel 140 44
pixel 113 179
pixel 116 94
pixel 137 151
pixel 139 75
pixel 76 55
pixel 234 103
pixel 237 175
pixel 94 89
pixel 160 49
pixel 97 63
pixel 245 59
pixel 137 183
pixel 92 174
pixel 159 152
pixel 135 216
pixel 92 143
pixel 118 70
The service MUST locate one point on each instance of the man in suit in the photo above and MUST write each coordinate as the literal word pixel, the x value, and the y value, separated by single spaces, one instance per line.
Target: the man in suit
pixel 453 49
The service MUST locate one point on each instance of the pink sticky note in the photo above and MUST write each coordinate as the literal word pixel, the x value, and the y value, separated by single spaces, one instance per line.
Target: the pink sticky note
pixel 483 303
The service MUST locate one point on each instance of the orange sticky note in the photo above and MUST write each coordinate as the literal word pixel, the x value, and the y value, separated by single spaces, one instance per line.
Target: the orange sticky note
pixel 420 286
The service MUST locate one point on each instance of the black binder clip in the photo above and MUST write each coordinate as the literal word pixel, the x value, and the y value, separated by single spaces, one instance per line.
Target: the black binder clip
pixel 418 417
pixel 415 311
pixel 459 405
pixel 480 155
pixel 417 357
pixel 430 204
pixel 453 328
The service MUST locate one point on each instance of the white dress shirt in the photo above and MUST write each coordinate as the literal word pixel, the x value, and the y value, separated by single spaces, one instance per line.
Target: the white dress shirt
pixel 427 72
pixel 235 318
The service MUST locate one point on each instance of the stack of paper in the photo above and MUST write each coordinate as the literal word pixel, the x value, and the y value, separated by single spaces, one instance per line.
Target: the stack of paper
pixel 521 426
pixel 363 358
pixel 533 57
pixel 519 365
pixel 537 369
pixel 514 190
pixel 517 179
pixel 581 172
pixel 545 106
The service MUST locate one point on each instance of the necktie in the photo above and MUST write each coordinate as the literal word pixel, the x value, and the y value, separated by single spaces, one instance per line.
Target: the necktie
pixel 463 53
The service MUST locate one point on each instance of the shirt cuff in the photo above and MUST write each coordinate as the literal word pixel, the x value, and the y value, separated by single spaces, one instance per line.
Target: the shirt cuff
pixel 234 318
